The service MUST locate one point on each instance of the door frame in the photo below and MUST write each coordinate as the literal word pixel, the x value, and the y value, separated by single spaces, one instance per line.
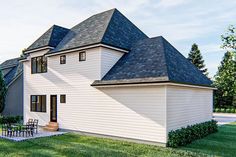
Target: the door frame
pixel 51 96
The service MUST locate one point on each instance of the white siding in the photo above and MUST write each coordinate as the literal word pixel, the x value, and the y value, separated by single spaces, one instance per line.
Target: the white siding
pixel 130 112
pixel 109 58
pixel 187 106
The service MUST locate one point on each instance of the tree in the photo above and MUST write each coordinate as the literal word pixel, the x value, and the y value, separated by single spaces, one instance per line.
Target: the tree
pixel 225 80
pixel 229 39
pixel 196 58
pixel 3 91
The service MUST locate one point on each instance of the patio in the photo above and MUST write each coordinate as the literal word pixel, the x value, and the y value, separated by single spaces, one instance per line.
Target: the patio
pixel 41 133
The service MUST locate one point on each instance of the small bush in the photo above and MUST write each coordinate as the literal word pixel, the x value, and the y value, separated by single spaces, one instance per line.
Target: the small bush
pixel 184 136
pixel 228 110
pixel 232 110
pixel 217 110
pixel 10 119
pixel 222 110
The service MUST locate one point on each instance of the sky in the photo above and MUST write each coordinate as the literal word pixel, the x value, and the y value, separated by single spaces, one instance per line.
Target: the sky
pixel 181 22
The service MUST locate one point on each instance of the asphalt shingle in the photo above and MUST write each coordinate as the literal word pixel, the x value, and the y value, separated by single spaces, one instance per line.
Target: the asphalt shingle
pixel 153 60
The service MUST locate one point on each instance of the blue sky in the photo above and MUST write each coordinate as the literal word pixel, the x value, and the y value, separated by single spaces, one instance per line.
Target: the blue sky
pixel 181 22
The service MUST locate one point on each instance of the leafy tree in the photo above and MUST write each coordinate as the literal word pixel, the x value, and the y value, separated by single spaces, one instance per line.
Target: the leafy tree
pixel 196 58
pixel 225 80
pixel 229 39
pixel 3 91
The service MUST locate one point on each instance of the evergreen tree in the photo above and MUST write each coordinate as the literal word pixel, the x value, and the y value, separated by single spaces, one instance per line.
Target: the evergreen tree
pixel 196 58
pixel 3 91
pixel 225 81
pixel 229 38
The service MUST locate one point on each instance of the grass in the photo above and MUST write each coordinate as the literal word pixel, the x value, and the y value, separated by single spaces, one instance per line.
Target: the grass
pixel 222 143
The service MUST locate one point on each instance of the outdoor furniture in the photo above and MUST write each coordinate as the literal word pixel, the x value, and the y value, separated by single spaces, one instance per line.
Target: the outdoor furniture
pixel 30 122
pixel 35 125
pixel 4 129
pixel 27 130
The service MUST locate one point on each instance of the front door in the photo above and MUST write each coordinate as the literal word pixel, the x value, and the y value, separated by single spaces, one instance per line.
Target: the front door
pixel 53 108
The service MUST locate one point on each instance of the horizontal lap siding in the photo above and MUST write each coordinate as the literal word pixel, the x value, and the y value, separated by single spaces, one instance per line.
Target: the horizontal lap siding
pixel 187 106
pixel 130 112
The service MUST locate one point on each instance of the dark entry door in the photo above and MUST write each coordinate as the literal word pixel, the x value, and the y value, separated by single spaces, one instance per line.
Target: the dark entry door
pixel 53 108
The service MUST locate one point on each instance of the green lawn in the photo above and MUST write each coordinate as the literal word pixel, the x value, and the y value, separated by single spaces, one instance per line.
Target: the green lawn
pixel 222 143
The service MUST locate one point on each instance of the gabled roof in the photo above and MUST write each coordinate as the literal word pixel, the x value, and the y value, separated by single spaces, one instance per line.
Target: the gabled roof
pixel 109 27
pixel 51 38
pixel 153 60
pixel 11 69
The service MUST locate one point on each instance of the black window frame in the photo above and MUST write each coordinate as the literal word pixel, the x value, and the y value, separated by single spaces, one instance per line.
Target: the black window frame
pixel 61 61
pixel 35 62
pixel 80 56
pixel 38 103
pixel 61 98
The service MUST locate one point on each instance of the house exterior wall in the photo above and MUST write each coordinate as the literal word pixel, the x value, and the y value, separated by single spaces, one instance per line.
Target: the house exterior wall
pixel 187 106
pixel 14 98
pixel 128 112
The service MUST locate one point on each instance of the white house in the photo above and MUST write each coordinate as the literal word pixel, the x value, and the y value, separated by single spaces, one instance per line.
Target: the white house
pixel 106 77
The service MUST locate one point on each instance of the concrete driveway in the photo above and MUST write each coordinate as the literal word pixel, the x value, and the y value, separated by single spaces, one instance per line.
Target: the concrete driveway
pixel 224 118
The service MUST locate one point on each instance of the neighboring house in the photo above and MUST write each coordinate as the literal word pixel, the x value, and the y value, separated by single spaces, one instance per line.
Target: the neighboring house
pixel 106 77
pixel 13 76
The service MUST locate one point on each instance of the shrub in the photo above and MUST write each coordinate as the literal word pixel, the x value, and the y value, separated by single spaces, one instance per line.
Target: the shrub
pixel 217 110
pixel 222 110
pixel 184 136
pixel 228 110
pixel 232 110
pixel 10 119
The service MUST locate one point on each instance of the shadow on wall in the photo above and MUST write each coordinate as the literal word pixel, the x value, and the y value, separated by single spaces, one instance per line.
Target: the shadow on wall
pixel 145 102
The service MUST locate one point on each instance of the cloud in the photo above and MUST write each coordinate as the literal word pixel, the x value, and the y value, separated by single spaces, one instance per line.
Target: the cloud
pixel 164 4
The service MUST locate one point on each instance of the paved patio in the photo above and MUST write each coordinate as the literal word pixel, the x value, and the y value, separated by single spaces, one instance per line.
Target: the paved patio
pixel 41 133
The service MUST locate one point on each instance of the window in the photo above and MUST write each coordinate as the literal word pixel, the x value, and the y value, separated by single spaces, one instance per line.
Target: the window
pixel 82 56
pixel 38 103
pixel 63 98
pixel 39 65
pixel 63 59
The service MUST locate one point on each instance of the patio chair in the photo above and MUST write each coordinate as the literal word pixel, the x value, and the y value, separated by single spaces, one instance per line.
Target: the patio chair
pixel 30 122
pixel 35 125
pixel 4 129
pixel 27 130
pixel 9 131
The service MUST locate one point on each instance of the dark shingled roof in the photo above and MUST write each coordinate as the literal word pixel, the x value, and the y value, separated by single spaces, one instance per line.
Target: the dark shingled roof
pixel 51 37
pixel 11 69
pixel 109 27
pixel 153 60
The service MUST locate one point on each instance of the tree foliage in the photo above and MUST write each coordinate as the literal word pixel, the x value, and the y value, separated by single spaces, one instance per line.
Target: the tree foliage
pixel 229 38
pixel 225 81
pixel 196 58
pixel 3 91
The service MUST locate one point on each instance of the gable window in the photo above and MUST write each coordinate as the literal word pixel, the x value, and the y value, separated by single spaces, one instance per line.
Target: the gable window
pixel 38 103
pixel 63 59
pixel 39 65
pixel 82 56
pixel 63 98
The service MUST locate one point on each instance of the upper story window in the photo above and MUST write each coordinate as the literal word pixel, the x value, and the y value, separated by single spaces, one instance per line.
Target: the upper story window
pixel 39 65
pixel 82 56
pixel 63 59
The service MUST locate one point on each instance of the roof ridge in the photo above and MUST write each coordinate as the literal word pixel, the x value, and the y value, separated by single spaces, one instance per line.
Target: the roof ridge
pixel 105 30
pixel 54 30
pixel 164 52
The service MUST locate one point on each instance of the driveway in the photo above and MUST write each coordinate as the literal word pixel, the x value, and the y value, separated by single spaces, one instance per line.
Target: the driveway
pixel 224 118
